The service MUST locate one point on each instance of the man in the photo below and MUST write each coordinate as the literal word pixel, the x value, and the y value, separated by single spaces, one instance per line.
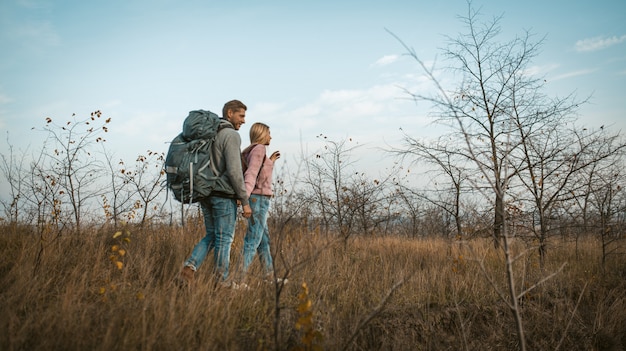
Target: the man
pixel 220 209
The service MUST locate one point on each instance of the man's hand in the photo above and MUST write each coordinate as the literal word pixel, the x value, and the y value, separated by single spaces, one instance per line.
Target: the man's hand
pixel 247 211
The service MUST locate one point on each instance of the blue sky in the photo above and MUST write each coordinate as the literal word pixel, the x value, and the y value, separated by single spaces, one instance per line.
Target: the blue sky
pixel 304 68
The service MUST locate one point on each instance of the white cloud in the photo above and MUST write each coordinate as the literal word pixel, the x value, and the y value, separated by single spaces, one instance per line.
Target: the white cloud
pixel 573 74
pixel 152 126
pixel 550 68
pixel 339 96
pixel 386 60
pixel 310 110
pixel 598 43
pixel 358 113
pixel 267 108
pixel 541 70
pixel 352 104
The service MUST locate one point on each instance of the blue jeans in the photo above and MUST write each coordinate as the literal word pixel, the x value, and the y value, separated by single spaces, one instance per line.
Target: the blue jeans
pixel 220 215
pixel 257 237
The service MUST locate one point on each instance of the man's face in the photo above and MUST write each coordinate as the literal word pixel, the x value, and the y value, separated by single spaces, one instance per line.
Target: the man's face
pixel 237 117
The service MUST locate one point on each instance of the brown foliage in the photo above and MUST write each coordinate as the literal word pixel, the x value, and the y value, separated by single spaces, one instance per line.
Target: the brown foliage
pixel 79 299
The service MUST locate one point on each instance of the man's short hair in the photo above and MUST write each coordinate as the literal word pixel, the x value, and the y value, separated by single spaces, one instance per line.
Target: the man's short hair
pixel 233 105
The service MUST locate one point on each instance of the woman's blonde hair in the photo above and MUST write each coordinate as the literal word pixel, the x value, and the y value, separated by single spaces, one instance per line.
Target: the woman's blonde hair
pixel 259 133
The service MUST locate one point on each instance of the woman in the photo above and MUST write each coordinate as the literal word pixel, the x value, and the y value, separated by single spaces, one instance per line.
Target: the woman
pixel 258 170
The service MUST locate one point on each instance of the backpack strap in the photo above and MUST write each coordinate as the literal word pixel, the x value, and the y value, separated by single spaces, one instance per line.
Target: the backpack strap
pixel 224 126
pixel 247 152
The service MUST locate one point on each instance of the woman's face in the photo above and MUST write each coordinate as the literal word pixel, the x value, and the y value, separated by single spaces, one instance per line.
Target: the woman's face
pixel 268 138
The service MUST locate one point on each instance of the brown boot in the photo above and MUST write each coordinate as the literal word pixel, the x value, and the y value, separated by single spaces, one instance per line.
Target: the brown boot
pixel 187 275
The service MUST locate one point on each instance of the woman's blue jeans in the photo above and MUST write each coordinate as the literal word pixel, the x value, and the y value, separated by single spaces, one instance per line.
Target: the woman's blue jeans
pixel 220 216
pixel 257 237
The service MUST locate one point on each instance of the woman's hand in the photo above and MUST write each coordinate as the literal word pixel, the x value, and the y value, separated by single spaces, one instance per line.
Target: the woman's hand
pixel 275 156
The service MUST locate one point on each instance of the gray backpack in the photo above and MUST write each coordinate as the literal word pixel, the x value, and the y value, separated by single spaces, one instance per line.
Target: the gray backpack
pixel 190 174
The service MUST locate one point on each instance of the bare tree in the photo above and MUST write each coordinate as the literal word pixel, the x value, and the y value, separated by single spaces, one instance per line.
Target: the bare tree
pixel 369 202
pixel 449 161
pixel 67 161
pixel 599 187
pixel 326 177
pixel 609 202
pixel 411 203
pixel 146 179
pixel 118 200
pixel 556 157
pixel 494 100
pixel 13 170
pixel 479 109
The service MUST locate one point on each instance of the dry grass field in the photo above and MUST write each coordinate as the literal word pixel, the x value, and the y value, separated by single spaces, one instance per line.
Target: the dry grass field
pixel 97 292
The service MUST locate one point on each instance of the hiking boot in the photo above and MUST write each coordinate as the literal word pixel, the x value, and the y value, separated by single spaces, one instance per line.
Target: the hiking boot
pixel 187 275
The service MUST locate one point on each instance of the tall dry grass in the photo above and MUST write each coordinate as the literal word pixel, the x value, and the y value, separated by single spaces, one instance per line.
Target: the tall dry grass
pixel 72 296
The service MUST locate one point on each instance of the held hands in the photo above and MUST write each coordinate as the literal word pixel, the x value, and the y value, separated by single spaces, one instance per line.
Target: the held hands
pixel 247 211
pixel 275 156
